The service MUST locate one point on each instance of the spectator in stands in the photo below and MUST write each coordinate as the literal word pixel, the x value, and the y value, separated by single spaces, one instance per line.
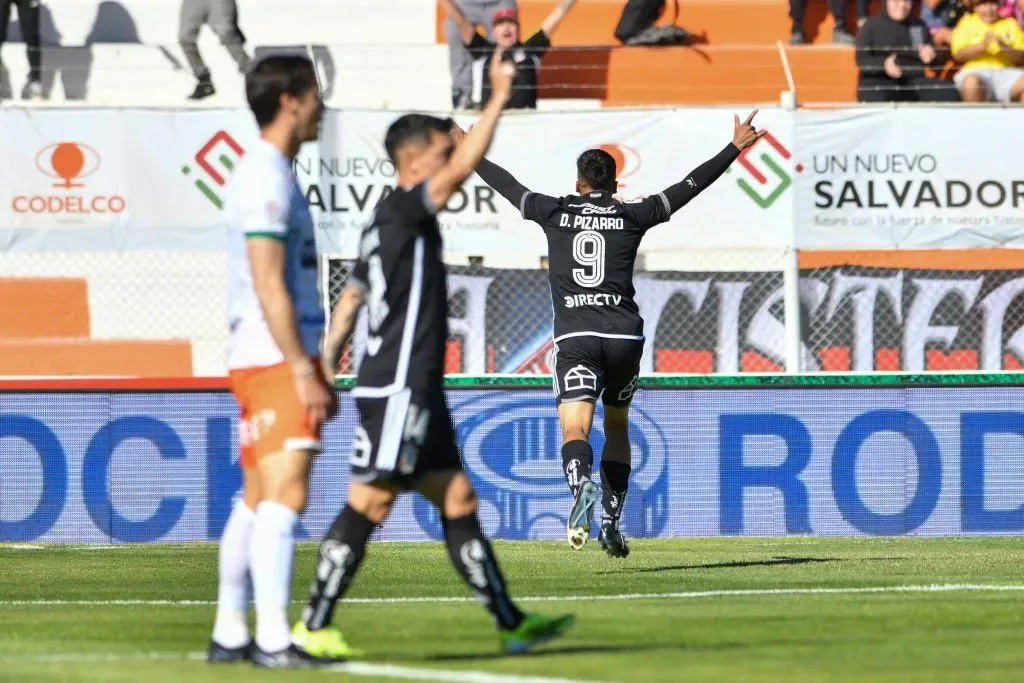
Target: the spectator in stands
pixel 991 50
pixel 841 35
pixel 478 12
pixel 28 19
pixel 222 16
pixel 893 51
pixel 941 16
pixel 637 25
pixel 525 55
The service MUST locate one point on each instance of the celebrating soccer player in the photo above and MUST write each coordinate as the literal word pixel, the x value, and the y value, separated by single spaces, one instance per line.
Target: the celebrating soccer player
pixel 276 323
pixel 599 335
pixel 405 439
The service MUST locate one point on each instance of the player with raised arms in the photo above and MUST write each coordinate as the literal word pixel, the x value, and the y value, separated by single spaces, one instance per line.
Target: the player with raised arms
pixel 593 240
pixel 276 321
pixel 405 439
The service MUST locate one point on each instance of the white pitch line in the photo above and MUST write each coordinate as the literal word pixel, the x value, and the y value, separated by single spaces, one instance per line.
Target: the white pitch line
pixel 21 546
pixel 689 595
pixel 452 676
pixel 353 668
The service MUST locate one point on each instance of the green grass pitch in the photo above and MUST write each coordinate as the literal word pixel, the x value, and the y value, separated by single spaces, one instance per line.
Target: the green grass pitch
pixel 727 610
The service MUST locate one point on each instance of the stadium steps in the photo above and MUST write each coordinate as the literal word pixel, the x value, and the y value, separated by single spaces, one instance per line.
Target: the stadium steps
pixel 95 357
pixel 698 76
pixel 78 23
pixel 720 22
pixel 735 59
pixel 45 328
pixel 43 307
pixel 146 75
pixel 126 53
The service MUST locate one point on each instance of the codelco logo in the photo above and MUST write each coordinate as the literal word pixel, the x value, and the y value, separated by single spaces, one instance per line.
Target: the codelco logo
pixel 776 158
pixel 69 163
pixel 627 160
pixel 226 152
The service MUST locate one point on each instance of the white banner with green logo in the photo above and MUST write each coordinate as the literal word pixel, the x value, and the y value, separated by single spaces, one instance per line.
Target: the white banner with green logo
pixel 749 207
pixel 135 179
pixel 909 178
pixel 103 180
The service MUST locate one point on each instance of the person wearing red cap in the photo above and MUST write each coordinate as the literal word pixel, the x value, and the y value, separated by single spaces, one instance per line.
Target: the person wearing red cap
pixel 525 55
pixel 478 12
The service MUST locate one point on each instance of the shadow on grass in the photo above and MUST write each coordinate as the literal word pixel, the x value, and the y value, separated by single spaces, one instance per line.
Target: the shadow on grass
pixel 737 564
pixel 577 650
pixel 774 562
pixel 610 649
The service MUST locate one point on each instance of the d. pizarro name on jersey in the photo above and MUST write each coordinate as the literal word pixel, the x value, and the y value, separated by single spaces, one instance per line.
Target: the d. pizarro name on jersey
pixel 593 242
pixel 592 247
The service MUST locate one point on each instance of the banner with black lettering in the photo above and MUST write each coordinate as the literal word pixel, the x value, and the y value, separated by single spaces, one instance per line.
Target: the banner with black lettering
pixel 885 178
pixel 748 208
pixel 913 310
pixel 862 311
pixel 876 178
pixel 500 321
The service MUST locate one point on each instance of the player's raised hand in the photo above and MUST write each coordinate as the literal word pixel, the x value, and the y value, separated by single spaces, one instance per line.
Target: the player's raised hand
pixel 502 74
pixel 744 134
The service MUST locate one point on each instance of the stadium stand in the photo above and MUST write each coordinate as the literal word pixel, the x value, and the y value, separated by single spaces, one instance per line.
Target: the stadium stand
pixel 147 314
pixel 736 58
pixel 126 53
pixel 371 54
pixel 45 330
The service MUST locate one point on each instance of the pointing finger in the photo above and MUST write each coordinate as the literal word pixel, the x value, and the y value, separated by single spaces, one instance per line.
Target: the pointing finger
pixel 750 118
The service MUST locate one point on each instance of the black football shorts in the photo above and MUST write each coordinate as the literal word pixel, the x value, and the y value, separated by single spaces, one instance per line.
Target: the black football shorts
pixel 588 368
pixel 403 436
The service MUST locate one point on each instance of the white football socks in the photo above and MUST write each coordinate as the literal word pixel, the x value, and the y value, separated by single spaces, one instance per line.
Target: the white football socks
pixel 273 545
pixel 231 629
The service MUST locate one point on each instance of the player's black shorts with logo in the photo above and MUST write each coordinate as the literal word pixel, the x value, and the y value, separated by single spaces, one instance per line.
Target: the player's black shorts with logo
pixel 402 436
pixel 587 366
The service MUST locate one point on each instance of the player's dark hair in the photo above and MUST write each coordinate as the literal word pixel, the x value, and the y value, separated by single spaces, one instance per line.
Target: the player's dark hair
pixel 274 76
pixel 597 168
pixel 413 128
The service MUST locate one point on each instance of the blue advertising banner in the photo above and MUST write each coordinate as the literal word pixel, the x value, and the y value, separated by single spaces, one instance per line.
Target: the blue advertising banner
pixel 79 467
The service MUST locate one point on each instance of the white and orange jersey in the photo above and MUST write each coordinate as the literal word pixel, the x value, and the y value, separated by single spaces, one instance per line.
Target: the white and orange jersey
pixel 265 201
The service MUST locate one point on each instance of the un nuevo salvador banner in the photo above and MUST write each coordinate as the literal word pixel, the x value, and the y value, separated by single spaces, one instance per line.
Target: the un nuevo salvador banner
pixel 908 178
pixel 866 178
pixel 137 467
pixel 135 179
pixel 652 149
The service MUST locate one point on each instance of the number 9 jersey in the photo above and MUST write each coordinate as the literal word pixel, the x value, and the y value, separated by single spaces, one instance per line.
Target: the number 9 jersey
pixel 592 245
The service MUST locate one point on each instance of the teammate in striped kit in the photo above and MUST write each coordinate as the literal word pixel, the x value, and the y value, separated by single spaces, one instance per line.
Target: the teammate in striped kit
pixel 405 439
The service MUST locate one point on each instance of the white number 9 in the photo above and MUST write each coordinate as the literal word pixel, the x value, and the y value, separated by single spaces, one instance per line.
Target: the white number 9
pixel 588 250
